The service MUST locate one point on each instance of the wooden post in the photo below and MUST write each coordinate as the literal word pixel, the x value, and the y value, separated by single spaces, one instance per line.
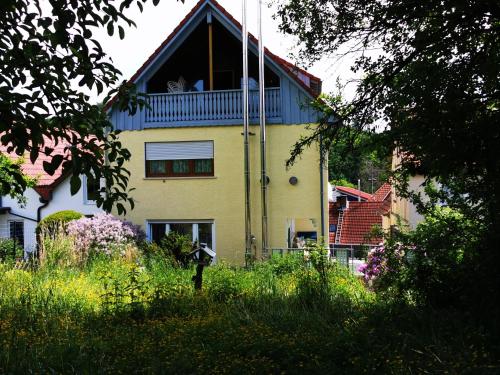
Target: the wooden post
pixel 198 278
pixel 210 57
pixel 210 52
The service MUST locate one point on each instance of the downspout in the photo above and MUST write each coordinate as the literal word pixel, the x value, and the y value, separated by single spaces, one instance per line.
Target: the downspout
pixel 38 218
pixel 40 208
pixel 262 123
pixel 248 228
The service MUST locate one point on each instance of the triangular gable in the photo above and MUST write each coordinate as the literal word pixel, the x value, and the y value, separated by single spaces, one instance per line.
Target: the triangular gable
pixel 160 54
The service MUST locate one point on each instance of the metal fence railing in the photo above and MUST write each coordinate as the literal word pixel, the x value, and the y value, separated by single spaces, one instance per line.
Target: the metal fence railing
pixel 286 250
pixel 350 256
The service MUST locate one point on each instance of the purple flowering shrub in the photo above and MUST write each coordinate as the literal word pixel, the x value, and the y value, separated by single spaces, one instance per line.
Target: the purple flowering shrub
pixel 383 261
pixel 375 263
pixel 104 233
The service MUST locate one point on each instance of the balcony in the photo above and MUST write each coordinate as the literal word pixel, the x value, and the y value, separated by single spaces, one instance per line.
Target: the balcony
pixel 210 107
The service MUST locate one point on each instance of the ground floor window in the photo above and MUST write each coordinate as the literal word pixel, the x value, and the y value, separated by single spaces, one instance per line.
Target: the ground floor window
pixel 198 231
pixel 16 231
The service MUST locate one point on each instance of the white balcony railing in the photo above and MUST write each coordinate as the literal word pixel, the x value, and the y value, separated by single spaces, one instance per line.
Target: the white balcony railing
pixel 210 105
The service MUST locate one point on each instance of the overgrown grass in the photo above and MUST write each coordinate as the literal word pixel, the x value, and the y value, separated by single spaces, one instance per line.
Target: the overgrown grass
pixel 117 316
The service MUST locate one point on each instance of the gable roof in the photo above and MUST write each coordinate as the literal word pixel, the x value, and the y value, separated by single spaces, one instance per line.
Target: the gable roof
pixel 291 70
pixel 358 222
pixel 353 192
pixel 359 218
pixel 45 182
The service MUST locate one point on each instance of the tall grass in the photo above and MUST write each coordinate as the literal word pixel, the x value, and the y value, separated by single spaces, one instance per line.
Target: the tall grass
pixel 115 315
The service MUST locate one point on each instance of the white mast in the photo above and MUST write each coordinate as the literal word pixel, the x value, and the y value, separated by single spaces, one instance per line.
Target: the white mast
pixel 244 84
pixel 262 123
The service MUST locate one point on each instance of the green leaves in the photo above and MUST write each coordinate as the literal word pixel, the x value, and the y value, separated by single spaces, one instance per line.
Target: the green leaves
pixel 111 28
pixel 75 184
pixel 13 182
pixel 44 52
pixel 121 32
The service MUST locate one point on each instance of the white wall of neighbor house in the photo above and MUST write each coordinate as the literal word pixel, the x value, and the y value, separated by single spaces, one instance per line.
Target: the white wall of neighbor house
pixel 23 215
pixel 27 213
pixel 63 200
pixel 26 228
pixel 29 209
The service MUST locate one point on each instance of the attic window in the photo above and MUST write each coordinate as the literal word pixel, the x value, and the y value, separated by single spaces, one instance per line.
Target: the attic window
pixel 191 62
pixel 180 159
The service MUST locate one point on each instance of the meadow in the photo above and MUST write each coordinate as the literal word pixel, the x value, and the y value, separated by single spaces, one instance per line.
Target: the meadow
pixel 142 315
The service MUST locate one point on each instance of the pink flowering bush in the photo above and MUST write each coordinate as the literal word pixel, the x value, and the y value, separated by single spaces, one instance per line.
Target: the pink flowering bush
pixel 104 233
pixel 375 264
pixel 382 261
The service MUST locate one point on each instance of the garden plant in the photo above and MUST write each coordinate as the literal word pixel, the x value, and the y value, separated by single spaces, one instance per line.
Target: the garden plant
pixel 126 308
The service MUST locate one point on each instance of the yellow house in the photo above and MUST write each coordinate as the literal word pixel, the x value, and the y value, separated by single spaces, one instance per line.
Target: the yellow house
pixel 188 165
pixel 403 211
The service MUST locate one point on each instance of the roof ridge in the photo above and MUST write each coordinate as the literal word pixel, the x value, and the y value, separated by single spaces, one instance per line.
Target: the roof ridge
pixel 285 65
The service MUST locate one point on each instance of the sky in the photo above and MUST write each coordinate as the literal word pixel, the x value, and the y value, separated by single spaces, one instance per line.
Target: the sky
pixel 156 23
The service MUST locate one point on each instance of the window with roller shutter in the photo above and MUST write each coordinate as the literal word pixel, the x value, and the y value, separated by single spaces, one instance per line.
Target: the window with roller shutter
pixel 179 159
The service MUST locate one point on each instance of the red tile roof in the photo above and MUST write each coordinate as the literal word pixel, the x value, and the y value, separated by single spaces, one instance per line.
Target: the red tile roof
pixel 45 182
pixel 359 221
pixel 360 218
pixel 291 69
pixel 382 193
pixel 354 192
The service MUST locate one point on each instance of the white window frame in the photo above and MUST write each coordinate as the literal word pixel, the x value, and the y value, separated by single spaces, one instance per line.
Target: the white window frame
pixel 195 229
pixel 85 191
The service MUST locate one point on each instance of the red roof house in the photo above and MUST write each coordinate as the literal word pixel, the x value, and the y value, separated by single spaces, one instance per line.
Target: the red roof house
pixel 352 223
pixel 354 192
pixel 45 182
pixel 52 193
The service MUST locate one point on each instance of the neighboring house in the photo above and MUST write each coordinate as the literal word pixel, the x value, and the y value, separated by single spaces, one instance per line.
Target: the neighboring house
pixel 51 194
pixel 187 164
pixel 352 221
pixel 404 212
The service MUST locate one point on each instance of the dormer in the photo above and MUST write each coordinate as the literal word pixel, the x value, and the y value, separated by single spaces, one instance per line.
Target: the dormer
pixel 195 78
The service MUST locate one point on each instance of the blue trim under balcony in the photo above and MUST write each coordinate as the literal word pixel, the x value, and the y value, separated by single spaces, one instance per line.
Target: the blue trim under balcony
pixel 209 108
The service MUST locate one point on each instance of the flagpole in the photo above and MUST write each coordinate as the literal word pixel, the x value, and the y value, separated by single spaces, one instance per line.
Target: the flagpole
pixel 246 156
pixel 262 123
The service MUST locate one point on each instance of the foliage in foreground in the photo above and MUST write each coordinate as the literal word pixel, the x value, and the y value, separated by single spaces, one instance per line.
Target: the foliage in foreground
pixel 50 59
pixel 12 178
pixel 431 265
pixel 119 316
pixel 430 74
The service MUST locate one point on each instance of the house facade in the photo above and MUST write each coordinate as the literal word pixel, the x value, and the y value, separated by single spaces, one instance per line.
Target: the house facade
pixel 51 194
pixel 187 164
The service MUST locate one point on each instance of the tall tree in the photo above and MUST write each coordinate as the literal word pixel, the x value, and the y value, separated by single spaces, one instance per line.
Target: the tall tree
pixel 49 58
pixel 434 82
pixel 363 159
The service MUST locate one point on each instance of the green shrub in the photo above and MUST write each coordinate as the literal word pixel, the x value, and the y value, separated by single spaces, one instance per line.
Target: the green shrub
pixel 433 264
pixel 174 246
pixel 10 250
pixel 286 264
pixel 51 223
